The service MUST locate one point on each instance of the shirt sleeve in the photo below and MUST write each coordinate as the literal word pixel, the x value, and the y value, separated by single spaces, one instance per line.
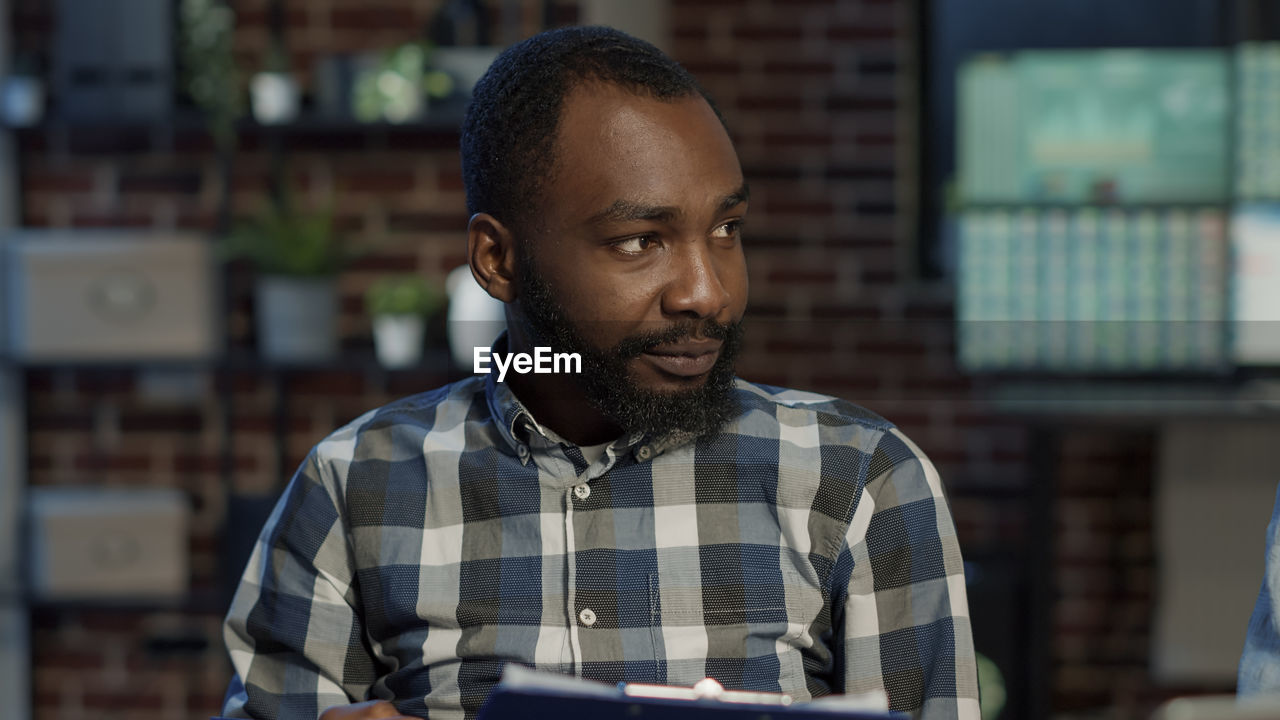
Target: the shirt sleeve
pixel 1259 672
pixel 294 632
pixel 904 621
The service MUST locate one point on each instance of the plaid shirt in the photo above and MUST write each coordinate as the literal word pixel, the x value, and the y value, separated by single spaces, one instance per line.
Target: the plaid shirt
pixel 806 548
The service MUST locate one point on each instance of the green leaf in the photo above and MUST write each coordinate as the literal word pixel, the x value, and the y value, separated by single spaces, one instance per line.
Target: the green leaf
pixel 403 295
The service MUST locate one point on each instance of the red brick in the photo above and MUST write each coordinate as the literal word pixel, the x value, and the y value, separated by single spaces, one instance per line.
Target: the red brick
pixel 327 383
pixel 857 33
pixel 845 384
pixel 796 206
pixel 879 277
pixel 385 262
pixel 846 312
pixel 875 139
pixel 861 172
pixel 761 311
pixel 162 421
pixel 427 222
pixel 176 182
pixel 112 622
pixel 201 704
pixel 60 421
pixel 802 67
pixel 875 347
pixel 126 699
pixel 376 18
pixel 691 34
pixel 704 67
pixel 57 181
pixel 804 139
pixel 450 179
pixel 58 658
pixel 858 241
pixel 942 310
pixel 861 103
pixel 196 463
pixel 101 382
pixel 99 462
pixel 376 181
pixel 351 304
pixel 774 31
pixel 806 346
pixel 240 382
pixel 798 276
pixel 93 219
pixel 189 219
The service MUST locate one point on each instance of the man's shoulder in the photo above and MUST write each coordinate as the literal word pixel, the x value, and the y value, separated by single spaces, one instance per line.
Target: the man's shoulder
pixel 420 414
pixel 811 419
pixel 826 410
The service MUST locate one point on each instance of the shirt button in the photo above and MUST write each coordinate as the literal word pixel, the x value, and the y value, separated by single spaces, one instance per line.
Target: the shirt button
pixel 582 492
pixel 644 452
pixel 523 452
pixel 587 616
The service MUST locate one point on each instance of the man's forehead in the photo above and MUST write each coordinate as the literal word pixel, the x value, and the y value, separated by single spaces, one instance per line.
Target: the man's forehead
pixel 608 108
pixel 616 146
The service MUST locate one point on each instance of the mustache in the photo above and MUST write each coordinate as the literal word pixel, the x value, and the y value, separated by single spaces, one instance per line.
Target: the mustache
pixel 640 343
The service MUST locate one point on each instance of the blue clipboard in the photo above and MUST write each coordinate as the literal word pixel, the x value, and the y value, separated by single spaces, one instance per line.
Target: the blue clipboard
pixel 529 699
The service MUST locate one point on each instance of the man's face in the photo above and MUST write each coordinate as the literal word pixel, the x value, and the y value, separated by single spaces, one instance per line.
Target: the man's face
pixel 635 260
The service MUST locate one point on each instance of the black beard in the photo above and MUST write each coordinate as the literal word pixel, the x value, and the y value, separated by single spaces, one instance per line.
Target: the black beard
pixel 608 385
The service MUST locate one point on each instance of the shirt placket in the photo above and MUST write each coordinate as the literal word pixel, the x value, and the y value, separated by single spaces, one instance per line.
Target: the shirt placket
pixel 552 461
pixel 579 617
pixel 571 578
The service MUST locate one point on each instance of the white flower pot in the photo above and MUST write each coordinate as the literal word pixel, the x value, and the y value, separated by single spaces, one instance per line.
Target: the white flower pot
pixel 297 319
pixel 476 319
pixel 397 339
pixel 275 98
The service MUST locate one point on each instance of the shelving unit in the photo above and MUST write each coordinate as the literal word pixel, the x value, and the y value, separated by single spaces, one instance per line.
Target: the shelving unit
pixel 1053 400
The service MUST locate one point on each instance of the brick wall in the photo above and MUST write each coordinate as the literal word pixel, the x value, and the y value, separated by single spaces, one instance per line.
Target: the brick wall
pixel 821 98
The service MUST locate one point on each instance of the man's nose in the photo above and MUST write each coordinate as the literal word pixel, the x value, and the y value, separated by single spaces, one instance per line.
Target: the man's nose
pixel 697 287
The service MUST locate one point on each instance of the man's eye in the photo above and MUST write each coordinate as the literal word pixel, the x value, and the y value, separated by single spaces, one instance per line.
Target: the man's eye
pixel 635 245
pixel 729 229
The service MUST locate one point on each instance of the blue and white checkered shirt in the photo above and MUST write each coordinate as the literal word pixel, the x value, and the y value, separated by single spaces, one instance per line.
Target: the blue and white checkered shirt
pixel 807 548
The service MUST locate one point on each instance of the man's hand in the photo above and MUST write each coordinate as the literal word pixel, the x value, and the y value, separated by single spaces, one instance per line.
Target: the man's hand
pixel 367 710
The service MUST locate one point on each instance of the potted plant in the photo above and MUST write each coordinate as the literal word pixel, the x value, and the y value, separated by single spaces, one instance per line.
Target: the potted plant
pixel 274 93
pixel 297 256
pixel 399 86
pixel 210 76
pixel 399 306
pixel 206 42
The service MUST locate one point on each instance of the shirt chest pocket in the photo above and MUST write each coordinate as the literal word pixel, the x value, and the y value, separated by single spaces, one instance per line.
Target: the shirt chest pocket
pixel 735 632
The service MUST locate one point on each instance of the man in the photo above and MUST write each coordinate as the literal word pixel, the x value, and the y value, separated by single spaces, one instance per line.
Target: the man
pixel 650 519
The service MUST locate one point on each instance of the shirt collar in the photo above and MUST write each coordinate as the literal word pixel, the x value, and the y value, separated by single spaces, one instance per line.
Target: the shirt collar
pixel 515 422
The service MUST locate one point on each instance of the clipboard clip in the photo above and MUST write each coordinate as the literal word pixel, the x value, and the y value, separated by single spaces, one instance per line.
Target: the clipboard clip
pixel 704 689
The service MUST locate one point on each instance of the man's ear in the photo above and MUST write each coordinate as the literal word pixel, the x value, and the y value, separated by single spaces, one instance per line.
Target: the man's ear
pixel 491 251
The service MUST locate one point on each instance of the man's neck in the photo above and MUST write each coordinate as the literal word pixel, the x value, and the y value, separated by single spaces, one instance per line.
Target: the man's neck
pixel 558 402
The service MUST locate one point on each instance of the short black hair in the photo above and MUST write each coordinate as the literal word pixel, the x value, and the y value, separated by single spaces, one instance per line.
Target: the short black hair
pixel 509 131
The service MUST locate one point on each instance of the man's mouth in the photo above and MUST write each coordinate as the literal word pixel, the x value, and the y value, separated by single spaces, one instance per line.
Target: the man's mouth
pixel 687 359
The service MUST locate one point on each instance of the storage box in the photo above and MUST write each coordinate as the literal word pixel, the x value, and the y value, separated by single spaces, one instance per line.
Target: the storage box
pixel 95 543
pixel 113 61
pixel 107 295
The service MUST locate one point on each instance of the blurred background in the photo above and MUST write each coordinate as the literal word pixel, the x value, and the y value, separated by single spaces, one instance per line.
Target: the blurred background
pixel 1039 235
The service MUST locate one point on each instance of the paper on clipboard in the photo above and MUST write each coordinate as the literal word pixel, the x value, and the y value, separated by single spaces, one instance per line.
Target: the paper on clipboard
pixel 532 695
